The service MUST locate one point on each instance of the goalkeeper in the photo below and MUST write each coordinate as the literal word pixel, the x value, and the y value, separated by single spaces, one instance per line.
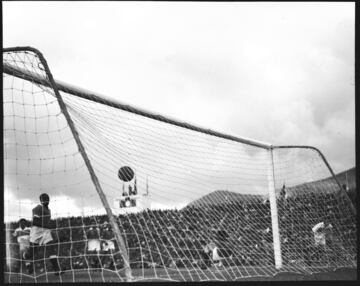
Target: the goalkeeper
pixel 40 235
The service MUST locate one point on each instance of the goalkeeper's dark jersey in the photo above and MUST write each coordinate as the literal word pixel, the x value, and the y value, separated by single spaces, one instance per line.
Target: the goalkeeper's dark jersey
pixel 41 216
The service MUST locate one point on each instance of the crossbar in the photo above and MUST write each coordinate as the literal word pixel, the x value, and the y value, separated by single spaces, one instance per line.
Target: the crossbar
pixel 18 72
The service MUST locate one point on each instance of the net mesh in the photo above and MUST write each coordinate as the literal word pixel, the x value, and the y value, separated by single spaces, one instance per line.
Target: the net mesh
pixel 309 196
pixel 198 204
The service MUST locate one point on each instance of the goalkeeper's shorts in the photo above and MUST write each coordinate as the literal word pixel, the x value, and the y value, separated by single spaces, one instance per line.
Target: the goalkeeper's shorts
pixel 40 235
pixel 93 245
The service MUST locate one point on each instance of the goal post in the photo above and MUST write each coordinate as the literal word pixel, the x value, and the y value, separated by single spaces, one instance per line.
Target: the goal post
pixel 310 194
pixel 326 167
pixel 193 204
pixel 274 212
pixel 42 65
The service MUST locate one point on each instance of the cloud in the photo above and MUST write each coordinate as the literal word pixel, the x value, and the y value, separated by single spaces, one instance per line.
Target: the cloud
pixel 277 72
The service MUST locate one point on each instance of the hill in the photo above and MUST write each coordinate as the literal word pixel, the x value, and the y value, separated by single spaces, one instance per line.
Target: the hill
pixel 223 196
pixel 348 178
pixel 327 185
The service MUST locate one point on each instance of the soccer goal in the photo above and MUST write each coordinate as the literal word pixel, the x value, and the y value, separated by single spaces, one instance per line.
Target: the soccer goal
pixel 136 196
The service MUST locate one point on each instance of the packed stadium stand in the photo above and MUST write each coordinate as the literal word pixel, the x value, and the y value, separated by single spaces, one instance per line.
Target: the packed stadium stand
pixel 249 226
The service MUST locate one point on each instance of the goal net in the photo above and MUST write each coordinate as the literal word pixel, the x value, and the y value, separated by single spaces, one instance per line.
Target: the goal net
pixel 138 196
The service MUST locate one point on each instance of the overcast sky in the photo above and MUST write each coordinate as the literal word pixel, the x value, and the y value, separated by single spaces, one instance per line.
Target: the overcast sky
pixel 282 73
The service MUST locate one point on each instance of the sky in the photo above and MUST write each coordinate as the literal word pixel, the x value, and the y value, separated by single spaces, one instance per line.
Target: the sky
pixel 281 73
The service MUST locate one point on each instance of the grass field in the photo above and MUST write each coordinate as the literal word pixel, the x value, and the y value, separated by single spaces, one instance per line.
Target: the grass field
pixel 152 275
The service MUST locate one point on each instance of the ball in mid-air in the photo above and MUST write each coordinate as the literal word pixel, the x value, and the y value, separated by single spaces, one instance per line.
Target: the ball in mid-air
pixel 126 174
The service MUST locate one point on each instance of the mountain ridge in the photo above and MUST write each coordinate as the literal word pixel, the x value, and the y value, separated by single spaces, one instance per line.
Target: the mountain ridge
pixel 217 197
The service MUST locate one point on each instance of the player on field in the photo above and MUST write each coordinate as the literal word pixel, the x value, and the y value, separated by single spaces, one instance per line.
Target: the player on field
pixel 93 245
pixel 22 233
pixel 107 246
pixel 217 255
pixel 40 235
pixel 107 237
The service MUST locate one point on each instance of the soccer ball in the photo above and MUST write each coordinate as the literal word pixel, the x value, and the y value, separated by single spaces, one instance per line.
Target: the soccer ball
pixel 126 174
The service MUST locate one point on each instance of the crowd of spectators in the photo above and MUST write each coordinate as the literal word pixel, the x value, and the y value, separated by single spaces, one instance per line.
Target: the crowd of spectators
pixel 176 238
pixel 298 214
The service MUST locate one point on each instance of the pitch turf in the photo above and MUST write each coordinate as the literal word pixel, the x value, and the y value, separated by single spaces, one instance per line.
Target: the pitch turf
pixel 151 275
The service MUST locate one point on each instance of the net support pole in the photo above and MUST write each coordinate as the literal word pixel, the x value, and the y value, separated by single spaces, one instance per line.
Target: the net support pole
pixel 93 176
pixel 323 158
pixel 274 211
